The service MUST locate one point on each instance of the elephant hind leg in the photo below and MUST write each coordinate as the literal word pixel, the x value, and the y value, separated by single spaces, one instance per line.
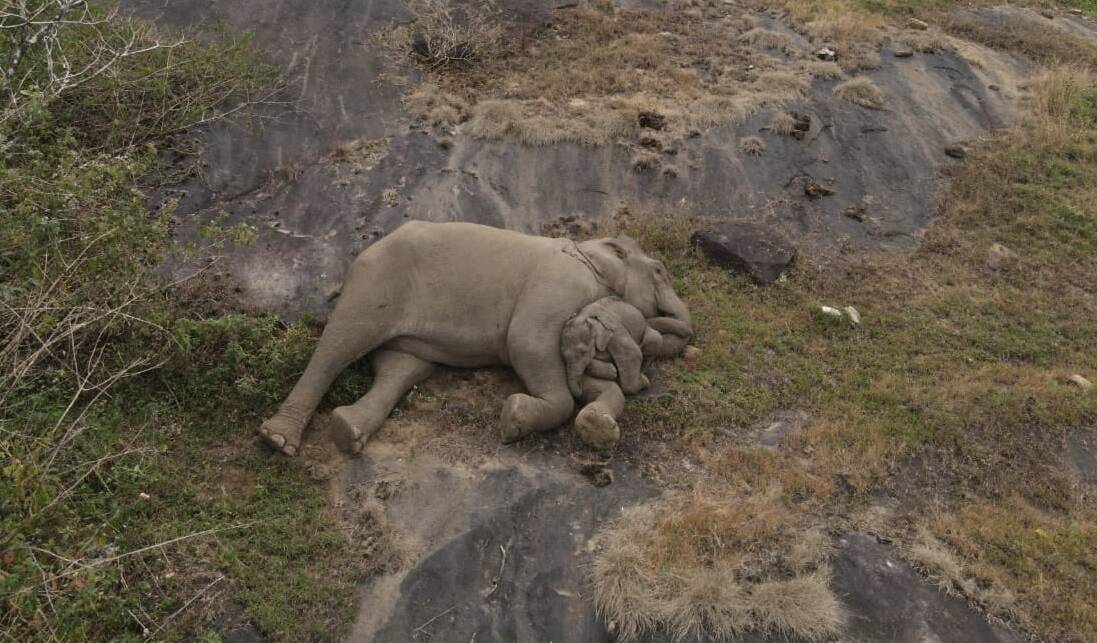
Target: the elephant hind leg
pixel 596 423
pixel 341 344
pixel 393 374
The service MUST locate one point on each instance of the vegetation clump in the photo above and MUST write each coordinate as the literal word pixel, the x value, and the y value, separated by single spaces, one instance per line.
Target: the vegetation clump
pixel 131 503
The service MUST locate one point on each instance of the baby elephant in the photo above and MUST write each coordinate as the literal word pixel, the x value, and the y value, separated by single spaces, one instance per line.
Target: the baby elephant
pixel 614 329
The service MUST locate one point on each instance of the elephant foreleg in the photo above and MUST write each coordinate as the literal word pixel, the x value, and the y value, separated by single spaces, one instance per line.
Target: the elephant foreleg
pixel 538 363
pixel 596 424
pixel 394 373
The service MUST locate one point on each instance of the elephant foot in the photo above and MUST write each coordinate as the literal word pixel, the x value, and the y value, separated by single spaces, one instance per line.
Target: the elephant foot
pixel 511 426
pixel 349 430
pixel 597 428
pixel 283 433
pixel 525 414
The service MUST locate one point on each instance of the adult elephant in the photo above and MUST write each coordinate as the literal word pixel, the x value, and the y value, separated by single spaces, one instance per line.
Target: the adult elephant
pixel 468 295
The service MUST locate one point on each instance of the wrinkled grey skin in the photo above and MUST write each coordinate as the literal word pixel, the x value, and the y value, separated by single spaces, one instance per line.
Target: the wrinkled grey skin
pixel 608 327
pixel 612 329
pixel 467 295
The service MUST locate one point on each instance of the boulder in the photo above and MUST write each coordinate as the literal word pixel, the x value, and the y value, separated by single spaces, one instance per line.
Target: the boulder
pixel 743 246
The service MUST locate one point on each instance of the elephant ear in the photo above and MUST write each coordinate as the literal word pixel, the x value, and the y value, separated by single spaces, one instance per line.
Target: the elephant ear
pixel 603 328
pixel 577 345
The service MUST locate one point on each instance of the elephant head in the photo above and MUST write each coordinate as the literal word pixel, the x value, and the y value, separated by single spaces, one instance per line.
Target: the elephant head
pixel 643 282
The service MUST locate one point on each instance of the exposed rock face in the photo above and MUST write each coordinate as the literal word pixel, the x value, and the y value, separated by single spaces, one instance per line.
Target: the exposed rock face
pixel 742 246
pixel 505 555
pixel 315 213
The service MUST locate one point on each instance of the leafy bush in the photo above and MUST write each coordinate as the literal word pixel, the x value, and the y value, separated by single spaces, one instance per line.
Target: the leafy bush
pixel 109 393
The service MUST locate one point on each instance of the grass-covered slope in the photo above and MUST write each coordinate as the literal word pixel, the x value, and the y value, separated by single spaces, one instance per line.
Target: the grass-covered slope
pixel 953 395
pixel 131 501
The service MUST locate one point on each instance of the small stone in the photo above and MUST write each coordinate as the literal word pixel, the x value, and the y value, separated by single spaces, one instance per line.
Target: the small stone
pixel 1047 13
pixel 856 212
pixel 1080 382
pixel 692 356
pixel 854 316
pixel 956 151
pixel 814 189
pixel 992 87
pixel 1074 12
pixel 830 311
pixel 999 257
pixel 915 23
pixel 744 246
pixel 826 53
pixel 903 53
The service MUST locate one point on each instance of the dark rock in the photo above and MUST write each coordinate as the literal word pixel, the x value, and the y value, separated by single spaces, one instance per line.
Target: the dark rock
pixel 992 87
pixel 856 212
pixel 506 556
pixel 759 251
pixel 419 45
pixel 652 120
pixel 801 127
pixel 598 474
pixel 903 53
pixel 650 143
pixel 956 151
pixel 889 601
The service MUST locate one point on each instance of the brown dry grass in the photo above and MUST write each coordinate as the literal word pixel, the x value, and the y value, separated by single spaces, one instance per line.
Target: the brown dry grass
pixel 860 91
pixel 715 563
pixel 588 78
pixel 1029 36
pixel 752 146
pixel 782 123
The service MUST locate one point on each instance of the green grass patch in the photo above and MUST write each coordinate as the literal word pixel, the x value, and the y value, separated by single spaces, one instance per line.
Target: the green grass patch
pixel 956 363
pixel 134 500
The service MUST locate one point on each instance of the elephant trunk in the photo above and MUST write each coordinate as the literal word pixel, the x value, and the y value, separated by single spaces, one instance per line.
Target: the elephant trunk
pixel 673 322
pixel 670 305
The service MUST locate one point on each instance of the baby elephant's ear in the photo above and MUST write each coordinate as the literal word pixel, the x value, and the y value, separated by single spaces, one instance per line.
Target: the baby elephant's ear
pixel 577 345
pixel 603 333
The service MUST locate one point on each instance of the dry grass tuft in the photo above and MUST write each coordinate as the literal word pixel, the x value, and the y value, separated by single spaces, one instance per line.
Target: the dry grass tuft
pixel 857 37
pixel 1030 36
pixel 768 39
pixel 783 123
pixel 932 558
pixel 752 146
pixel 443 34
pixel 588 78
pixel 861 91
pixel 715 566
pixel 822 69
pixel 928 41
pixel 707 602
pixel 801 607
pixel 434 106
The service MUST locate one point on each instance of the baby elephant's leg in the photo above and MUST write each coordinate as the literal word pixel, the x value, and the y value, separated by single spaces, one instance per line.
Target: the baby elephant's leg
pixel 393 374
pixel 596 424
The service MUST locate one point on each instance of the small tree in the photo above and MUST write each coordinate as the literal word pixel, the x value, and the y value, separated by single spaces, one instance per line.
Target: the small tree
pixel 38 53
